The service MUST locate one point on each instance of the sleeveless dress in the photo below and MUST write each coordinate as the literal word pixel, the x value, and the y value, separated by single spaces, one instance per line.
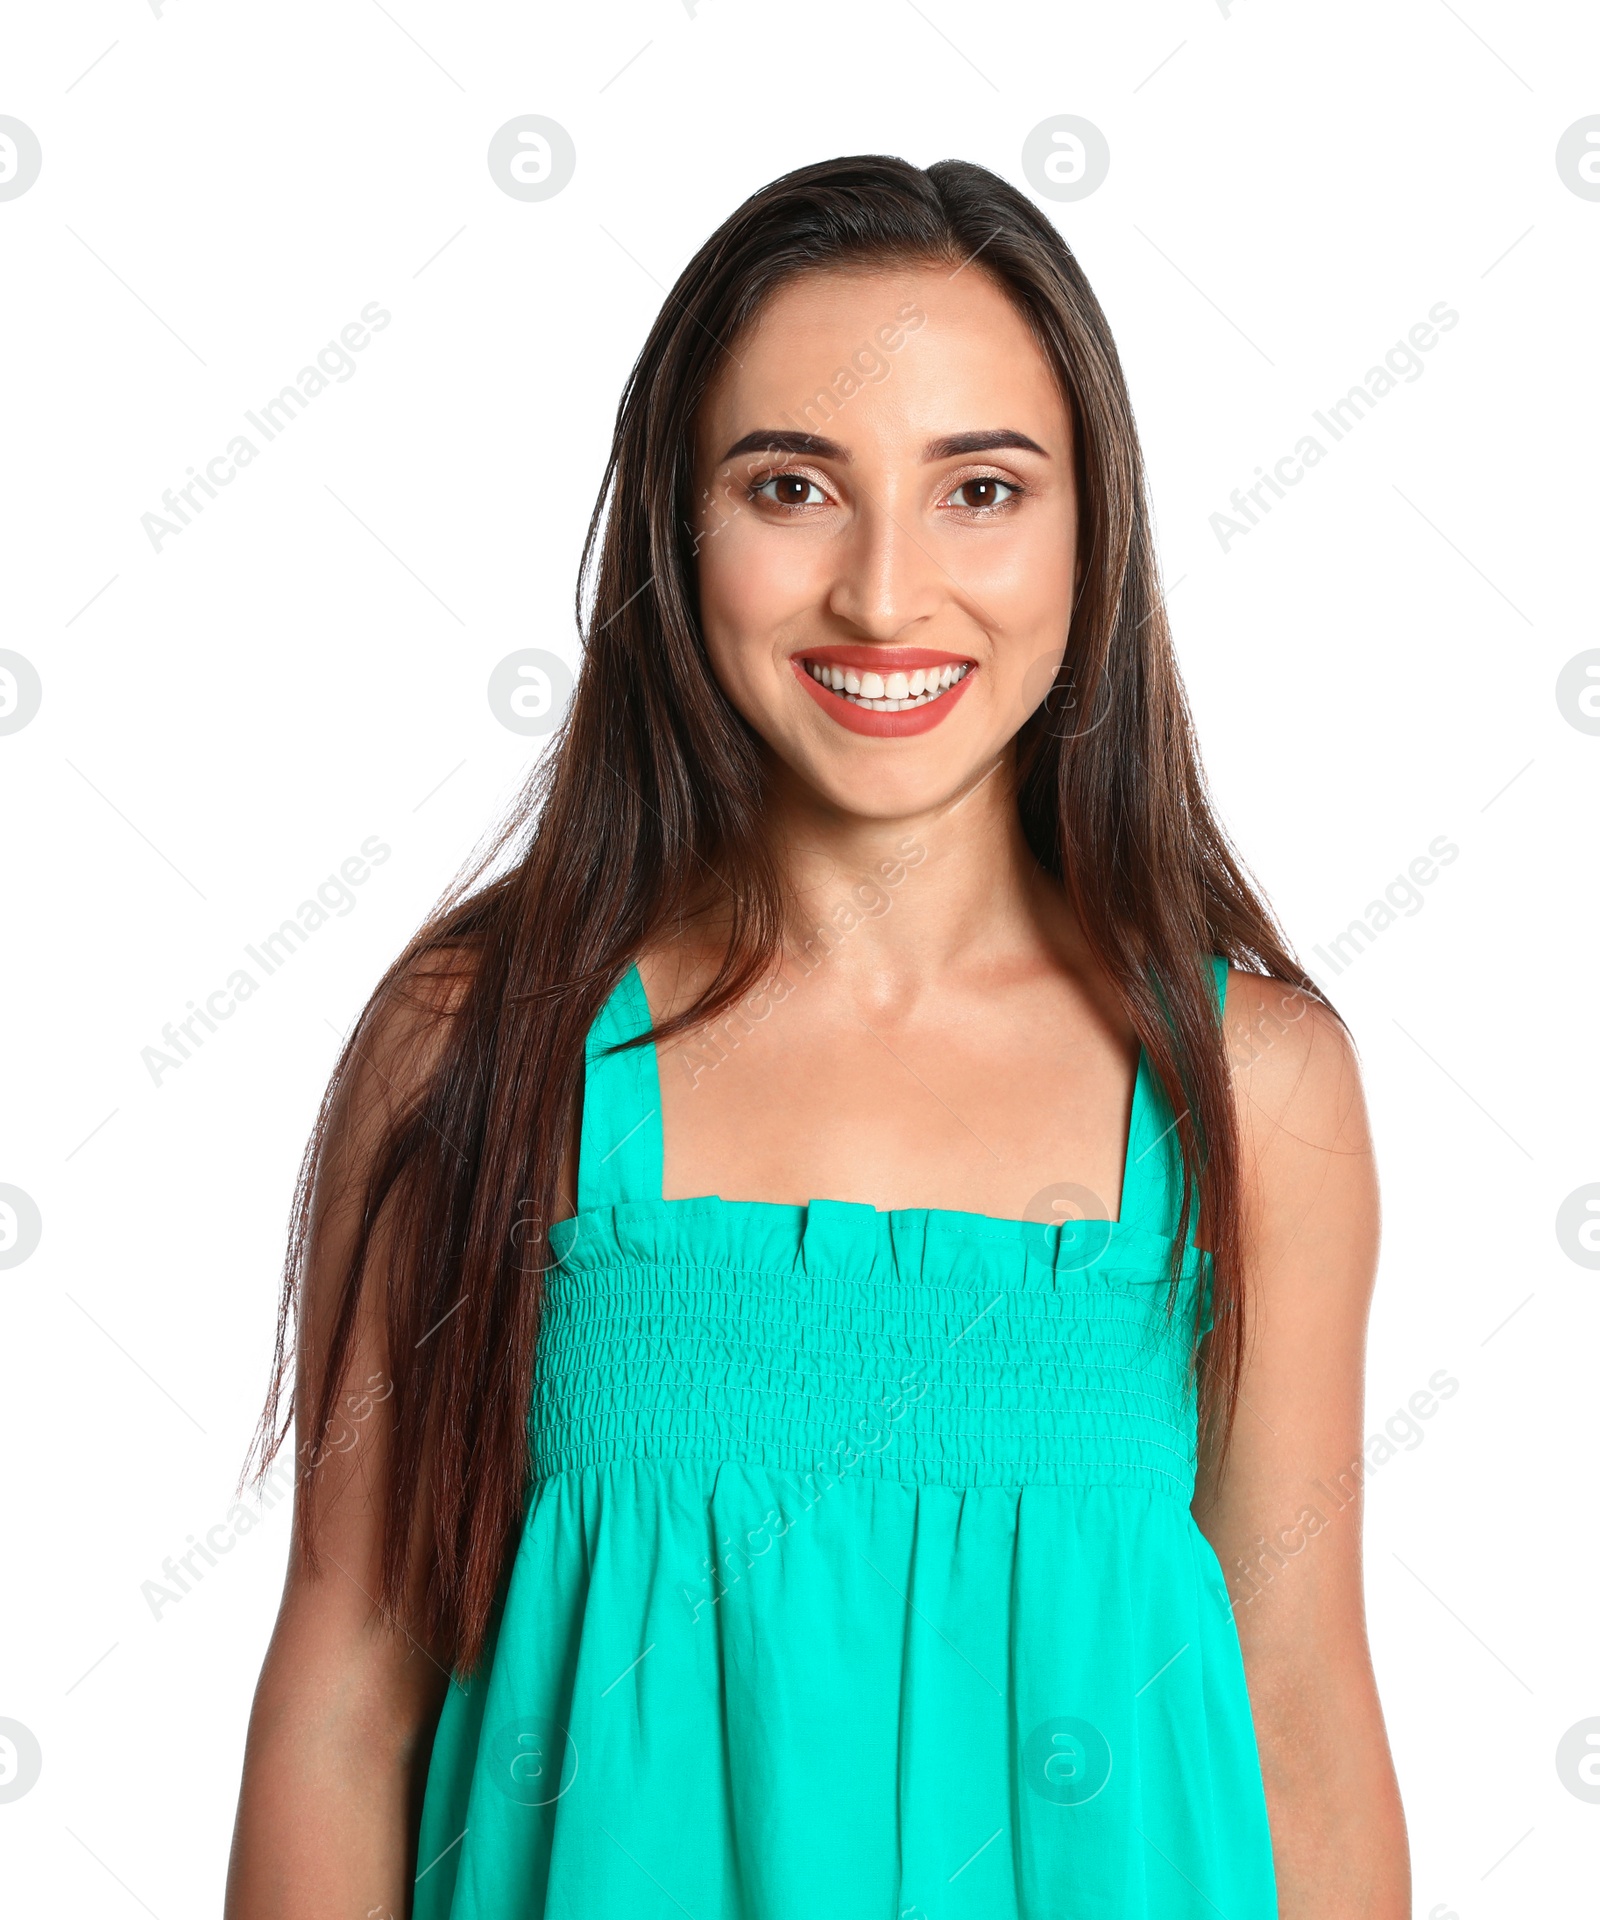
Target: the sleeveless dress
pixel 858 1579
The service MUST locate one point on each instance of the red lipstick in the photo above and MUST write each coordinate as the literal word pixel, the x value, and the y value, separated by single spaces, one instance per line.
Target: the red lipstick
pixel 884 661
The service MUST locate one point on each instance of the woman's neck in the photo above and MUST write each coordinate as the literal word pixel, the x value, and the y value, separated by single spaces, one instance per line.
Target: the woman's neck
pixel 901 902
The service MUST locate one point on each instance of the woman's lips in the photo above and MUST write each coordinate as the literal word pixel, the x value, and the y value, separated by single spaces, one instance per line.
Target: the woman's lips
pixel 884 659
pixel 915 663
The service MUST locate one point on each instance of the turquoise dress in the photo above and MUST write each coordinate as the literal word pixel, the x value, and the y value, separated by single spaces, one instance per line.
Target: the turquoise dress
pixel 858 1579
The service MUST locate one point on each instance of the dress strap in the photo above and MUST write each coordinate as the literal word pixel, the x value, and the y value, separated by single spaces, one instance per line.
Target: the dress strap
pixel 1152 1177
pixel 619 1149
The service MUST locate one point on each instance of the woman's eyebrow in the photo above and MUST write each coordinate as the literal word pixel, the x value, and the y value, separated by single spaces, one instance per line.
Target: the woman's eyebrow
pixel 783 440
pixel 985 440
pixel 815 446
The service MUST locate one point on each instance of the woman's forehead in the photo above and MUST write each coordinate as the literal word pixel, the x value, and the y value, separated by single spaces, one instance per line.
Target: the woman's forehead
pixel 911 353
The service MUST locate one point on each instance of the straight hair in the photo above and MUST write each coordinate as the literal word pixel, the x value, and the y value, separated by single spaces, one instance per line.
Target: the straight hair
pixel 652 791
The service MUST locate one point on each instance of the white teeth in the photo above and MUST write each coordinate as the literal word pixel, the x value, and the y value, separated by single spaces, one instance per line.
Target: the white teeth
pixel 888 693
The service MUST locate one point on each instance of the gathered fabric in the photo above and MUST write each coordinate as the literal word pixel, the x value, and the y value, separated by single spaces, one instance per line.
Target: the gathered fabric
pixel 858 1579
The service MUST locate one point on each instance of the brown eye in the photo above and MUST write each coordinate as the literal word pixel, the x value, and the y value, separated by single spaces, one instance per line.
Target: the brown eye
pixel 790 490
pixel 983 493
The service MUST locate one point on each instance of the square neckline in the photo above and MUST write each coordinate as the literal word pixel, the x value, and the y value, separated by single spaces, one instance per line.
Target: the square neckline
pixel 639 1018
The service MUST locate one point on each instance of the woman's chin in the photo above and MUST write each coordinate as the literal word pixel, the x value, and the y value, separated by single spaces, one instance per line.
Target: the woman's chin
pixel 918 781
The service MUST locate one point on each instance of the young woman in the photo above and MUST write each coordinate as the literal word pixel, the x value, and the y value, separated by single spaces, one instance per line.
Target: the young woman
pixel 814 1262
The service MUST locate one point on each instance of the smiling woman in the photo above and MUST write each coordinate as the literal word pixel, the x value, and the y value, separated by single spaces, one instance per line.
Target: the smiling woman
pixel 973 531
pixel 805 1487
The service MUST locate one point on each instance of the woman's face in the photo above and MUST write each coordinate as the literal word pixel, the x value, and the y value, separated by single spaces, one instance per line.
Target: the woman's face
pixel 886 532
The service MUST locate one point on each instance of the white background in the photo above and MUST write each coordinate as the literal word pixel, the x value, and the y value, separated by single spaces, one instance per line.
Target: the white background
pixel 225 721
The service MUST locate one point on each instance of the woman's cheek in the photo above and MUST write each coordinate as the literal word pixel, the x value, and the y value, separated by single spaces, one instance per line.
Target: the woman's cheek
pixel 741 662
pixel 750 596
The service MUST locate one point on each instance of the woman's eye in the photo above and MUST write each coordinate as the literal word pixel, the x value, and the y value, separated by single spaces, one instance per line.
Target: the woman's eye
pixel 985 492
pixel 790 490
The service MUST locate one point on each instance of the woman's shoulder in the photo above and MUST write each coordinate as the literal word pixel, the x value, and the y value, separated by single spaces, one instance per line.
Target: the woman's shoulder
pixel 1278 1032
pixel 1301 1107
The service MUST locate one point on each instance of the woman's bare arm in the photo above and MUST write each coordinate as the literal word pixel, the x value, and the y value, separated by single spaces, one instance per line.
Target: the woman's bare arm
pixel 344 1712
pixel 1284 1516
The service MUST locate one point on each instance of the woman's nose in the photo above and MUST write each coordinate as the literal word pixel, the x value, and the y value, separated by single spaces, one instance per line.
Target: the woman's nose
pixel 888 579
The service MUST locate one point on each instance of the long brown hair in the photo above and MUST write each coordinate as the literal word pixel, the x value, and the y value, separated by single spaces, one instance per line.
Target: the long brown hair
pixel 652 789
